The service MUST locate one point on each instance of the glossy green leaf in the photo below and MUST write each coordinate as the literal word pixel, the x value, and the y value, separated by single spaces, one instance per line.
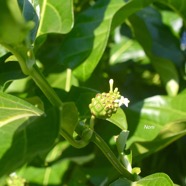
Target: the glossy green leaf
pixel 156 179
pixel 32 138
pixel 100 24
pixel 91 31
pixel 126 49
pixel 119 119
pixel 154 113
pixel 24 134
pixel 121 140
pixel 13 28
pixel 153 119
pixel 170 133
pixel 13 108
pixel 55 16
pixel 160 45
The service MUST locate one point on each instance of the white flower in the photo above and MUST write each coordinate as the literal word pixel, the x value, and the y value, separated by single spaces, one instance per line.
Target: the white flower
pixel 122 101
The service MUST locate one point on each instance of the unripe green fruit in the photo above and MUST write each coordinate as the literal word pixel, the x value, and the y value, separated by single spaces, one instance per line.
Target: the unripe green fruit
pixel 104 104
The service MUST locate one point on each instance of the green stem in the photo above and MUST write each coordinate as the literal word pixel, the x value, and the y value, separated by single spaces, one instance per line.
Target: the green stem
pixel 68 79
pixel 28 65
pixel 42 83
pixel 111 156
pixel 75 143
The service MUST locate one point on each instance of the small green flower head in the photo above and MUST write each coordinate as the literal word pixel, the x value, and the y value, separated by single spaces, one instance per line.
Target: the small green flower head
pixel 106 104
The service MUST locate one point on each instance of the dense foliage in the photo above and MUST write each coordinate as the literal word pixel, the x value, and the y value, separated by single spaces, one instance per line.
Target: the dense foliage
pixel 60 112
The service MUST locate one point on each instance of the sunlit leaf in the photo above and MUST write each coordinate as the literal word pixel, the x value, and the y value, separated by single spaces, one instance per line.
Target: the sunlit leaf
pixel 160 45
pixel 91 31
pixel 170 133
pixel 154 120
pixel 126 49
pixel 25 139
pixel 13 108
pixel 154 180
pixel 119 119
pixel 177 6
pixel 55 16
pixel 24 132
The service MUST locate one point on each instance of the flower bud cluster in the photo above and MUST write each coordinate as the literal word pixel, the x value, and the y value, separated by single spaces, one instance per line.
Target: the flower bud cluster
pixel 106 104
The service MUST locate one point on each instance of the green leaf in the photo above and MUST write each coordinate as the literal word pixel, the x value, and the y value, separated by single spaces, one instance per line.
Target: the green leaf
pixel 121 140
pixel 13 28
pixel 119 119
pixel 47 175
pixel 100 33
pixel 156 179
pixel 30 15
pixel 63 157
pixel 24 134
pixel 13 108
pixel 128 9
pixel 82 97
pixel 177 6
pixel 91 30
pixel 68 123
pixel 160 45
pixel 120 182
pixel 170 133
pixel 56 16
pixel 14 33
pixel 51 174
pixel 69 118
pixel 126 49
pixel 155 119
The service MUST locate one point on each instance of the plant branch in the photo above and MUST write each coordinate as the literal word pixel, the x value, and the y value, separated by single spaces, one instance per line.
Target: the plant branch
pixel 28 65
pixel 42 83
pixel 111 156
